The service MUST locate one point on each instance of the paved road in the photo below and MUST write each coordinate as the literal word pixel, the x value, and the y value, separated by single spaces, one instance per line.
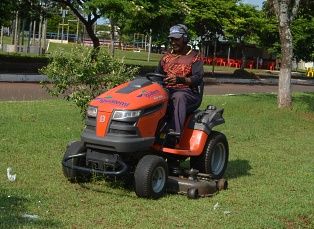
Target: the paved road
pixel 34 91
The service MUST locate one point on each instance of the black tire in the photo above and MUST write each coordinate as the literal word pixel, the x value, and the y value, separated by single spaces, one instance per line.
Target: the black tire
pixel 71 174
pixel 214 159
pixel 151 176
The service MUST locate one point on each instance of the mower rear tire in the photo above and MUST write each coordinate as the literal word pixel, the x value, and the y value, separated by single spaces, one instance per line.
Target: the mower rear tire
pixel 151 176
pixel 71 174
pixel 214 159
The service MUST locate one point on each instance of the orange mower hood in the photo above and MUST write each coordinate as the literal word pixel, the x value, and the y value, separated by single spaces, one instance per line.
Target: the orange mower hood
pixel 138 94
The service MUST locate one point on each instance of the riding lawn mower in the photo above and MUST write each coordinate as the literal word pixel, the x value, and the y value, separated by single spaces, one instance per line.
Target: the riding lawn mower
pixel 126 135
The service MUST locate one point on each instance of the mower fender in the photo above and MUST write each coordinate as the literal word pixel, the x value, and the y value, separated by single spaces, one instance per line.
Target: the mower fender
pixel 206 120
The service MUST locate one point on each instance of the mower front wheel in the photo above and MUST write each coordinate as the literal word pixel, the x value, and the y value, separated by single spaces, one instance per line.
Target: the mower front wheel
pixel 69 172
pixel 151 176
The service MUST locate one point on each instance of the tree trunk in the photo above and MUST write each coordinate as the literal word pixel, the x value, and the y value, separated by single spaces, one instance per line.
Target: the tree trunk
pixel 88 20
pixel 112 30
pixel 285 11
pixel 92 35
pixel 284 90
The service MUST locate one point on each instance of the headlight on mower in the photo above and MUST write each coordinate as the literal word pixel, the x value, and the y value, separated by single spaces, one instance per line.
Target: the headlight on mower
pixel 119 115
pixel 92 111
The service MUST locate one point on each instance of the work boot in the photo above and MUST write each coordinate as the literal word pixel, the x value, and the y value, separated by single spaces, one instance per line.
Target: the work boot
pixel 172 139
pixel 171 142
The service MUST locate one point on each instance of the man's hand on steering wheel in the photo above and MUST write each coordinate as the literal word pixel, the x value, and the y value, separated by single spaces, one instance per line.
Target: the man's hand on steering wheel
pixel 175 80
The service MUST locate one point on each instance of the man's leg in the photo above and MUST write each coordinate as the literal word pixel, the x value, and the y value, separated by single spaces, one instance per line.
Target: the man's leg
pixel 181 99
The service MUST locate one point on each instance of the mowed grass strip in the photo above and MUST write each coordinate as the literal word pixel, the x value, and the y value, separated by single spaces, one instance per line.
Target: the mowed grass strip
pixel 270 172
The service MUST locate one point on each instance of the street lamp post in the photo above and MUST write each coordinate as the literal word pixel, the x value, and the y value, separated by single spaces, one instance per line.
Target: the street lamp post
pixel 64 13
pixel 215 49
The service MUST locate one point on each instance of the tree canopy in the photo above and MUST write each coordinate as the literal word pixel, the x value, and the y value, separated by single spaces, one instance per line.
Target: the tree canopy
pixel 6 9
pixel 206 19
pixel 302 31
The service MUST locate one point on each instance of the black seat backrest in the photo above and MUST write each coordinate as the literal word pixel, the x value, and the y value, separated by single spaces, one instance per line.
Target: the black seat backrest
pixel 200 88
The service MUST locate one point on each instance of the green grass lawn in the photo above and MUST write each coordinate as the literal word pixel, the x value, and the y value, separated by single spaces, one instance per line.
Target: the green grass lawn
pixel 270 172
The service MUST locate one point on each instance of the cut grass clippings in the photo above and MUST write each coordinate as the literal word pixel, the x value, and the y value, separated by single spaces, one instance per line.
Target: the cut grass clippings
pixel 270 172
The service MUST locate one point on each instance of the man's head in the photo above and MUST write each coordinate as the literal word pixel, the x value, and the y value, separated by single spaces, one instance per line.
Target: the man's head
pixel 178 36
pixel 178 31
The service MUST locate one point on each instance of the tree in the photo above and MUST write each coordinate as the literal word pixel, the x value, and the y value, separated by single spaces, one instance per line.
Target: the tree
pixel 302 31
pixel 87 12
pixel 6 9
pixel 244 27
pixel 207 17
pixel 268 35
pixel 117 11
pixel 301 28
pixel 285 11
pixel 138 16
pixel 156 16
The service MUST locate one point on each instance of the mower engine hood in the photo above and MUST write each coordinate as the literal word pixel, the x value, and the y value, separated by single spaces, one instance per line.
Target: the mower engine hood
pixel 138 94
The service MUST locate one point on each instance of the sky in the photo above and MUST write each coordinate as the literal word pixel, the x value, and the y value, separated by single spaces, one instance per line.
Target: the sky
pixel 254 2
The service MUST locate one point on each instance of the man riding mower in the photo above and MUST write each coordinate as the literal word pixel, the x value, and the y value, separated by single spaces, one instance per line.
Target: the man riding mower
pixel 138 129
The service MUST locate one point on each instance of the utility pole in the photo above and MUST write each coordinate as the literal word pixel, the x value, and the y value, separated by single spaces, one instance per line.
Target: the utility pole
pixel 15 30
pixel 29 36
pixel 40 33
pixel 1 39
pixel 214 59
pixel 34 33
pixel 44 32
pixel 64 13
pixel 149 45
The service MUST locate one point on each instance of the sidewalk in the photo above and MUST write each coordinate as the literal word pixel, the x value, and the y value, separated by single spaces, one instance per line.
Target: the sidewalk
pixel 24 78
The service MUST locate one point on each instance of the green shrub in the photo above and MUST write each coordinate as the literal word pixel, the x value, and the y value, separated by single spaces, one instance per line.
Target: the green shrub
pixel 80 76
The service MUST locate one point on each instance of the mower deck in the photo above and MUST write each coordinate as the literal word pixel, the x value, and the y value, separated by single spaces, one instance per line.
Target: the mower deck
pixel 196 185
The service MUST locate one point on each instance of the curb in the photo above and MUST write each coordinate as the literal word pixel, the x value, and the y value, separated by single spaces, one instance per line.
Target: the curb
pixel 28 78
pixel 22 78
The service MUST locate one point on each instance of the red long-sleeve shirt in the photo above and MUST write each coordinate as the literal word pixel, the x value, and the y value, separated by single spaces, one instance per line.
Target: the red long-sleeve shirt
pixel 188 65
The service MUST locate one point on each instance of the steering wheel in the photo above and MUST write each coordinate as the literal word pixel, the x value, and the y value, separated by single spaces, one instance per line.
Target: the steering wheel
pixel 155 77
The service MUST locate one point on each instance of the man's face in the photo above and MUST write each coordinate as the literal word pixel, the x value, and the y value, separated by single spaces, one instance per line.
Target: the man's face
pixel 177 44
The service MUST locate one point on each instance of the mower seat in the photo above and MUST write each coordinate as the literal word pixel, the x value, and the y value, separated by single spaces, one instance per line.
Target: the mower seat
pixel 193 107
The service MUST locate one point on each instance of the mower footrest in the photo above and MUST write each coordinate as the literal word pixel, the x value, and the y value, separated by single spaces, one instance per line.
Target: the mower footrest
pixel 183 152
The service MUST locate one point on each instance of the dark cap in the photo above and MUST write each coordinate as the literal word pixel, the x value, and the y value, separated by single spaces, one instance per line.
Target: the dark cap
pixel 177 31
